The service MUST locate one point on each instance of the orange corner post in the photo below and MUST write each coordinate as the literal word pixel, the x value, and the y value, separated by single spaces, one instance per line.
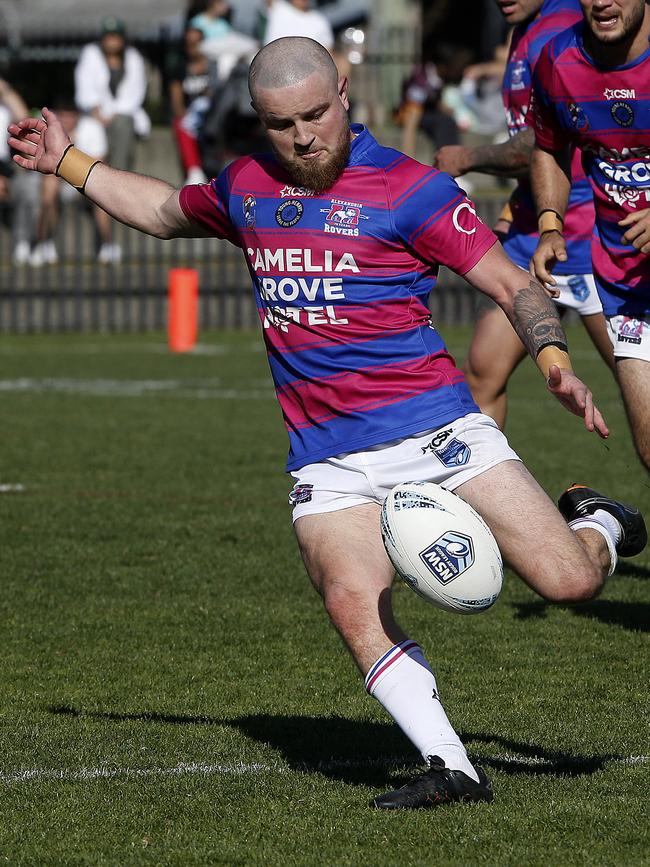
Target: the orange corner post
pixel 183 309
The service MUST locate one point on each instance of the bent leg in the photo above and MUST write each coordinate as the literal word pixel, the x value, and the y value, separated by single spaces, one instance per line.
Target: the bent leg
pixel 347 563
pixel 634 381
pixel 494 353
pixel 556 563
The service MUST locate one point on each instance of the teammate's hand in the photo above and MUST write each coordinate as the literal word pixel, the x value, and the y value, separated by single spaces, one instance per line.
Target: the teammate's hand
pixel 574 395
pixel 551 249
pixel 39 142
pixel 453 159
pixel 639 232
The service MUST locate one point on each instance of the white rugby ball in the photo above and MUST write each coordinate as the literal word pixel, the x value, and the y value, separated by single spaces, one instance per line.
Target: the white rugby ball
pixel 441 547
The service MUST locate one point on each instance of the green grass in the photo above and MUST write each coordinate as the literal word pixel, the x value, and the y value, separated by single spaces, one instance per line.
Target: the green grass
pixel 157 621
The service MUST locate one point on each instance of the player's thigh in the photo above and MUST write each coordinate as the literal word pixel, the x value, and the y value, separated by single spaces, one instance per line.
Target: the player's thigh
pixel 634 381
pixel 345 547
pixel 532 535
pixel 596 327
pixel 495 349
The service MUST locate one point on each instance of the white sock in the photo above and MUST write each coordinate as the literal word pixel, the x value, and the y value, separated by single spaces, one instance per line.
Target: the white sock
pixel 607 526
pixel 402 681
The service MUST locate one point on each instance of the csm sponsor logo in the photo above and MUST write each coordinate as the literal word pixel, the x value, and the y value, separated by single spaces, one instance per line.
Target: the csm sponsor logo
pixel 619 93
pixel 460 215
pixel 437 440
pixel 295 192
pixel 449 556
pixel 343 218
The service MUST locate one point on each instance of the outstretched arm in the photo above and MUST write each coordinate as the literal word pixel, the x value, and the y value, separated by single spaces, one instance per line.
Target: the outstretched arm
pixel 146 203
pixel 510 159
pixel 535 319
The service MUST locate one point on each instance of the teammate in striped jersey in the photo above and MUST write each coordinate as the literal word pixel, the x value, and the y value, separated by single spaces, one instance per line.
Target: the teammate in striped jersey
pixel 592 91
pixel 343 238
pixel 495 350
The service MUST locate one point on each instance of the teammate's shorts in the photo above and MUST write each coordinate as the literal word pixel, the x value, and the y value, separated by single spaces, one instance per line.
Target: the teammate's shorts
pixel 630 337
pixel 448 456
pixel 578 291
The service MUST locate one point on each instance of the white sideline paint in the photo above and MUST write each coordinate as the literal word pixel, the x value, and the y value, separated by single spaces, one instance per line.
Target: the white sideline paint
pixel 11 489
pixel 27 775
pixel 201 389
pixel 122 349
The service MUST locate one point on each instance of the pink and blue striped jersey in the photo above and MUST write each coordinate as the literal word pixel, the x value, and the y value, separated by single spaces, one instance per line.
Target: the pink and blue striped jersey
pixel 605 112
pixel 342 281
pixel 528 39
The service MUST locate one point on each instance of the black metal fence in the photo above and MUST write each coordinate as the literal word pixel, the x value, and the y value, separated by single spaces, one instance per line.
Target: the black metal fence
pixel 78 293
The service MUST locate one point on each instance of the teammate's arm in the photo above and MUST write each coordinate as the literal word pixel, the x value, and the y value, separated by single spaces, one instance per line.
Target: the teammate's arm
pixel 535 319
pixel 510 159
pixel 146 203
pixel 638 232
pixel 550 175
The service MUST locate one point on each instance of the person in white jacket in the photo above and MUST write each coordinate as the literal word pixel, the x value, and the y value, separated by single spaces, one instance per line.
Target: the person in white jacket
pixel 110 89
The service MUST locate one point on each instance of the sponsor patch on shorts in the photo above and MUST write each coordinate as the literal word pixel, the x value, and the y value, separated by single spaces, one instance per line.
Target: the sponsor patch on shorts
pixel 300 494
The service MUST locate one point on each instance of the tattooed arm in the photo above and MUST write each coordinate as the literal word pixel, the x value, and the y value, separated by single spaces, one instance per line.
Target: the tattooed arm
pixel 510 159
pixel 534 317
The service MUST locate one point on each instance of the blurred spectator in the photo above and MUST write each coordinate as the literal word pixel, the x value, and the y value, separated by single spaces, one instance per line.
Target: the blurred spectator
pixel 422 106
pixel 189 95
pixel 296 18
pixel 19 198
pixel 110 88
pixel 89 137
pixel 214 21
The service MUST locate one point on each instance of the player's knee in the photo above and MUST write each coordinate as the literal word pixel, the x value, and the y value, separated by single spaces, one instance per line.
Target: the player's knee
pixel 574 585
pixel 343 605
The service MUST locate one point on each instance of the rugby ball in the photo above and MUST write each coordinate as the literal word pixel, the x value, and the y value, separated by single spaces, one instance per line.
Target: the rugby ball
pixel 441 547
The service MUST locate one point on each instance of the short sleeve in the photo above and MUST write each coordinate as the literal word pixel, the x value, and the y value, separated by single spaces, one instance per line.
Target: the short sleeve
pixel 542 114
pixel 206 205
pixel 437 220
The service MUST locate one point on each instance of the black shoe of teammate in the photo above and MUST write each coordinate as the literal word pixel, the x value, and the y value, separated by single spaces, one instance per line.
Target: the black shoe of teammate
pixel 580 502
pixel 438 785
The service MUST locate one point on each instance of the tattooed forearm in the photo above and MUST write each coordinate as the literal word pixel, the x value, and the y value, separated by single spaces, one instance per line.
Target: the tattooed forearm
pixel 510 159
pixel 536 319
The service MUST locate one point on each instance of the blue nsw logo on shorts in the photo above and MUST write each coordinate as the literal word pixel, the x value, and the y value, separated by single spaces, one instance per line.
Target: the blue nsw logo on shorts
pixel 454 454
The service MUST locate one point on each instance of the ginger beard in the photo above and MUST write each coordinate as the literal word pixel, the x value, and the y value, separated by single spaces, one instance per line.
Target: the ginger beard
pixel 318 174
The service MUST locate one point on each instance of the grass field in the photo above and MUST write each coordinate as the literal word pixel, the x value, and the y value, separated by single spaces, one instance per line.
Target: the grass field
pixel 171 693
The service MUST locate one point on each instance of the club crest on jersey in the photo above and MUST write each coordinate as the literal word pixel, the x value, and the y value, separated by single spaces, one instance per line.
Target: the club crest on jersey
pixel 622 113
pixel 288 213
pixel 300 494
pixel 295 192
pixel 631 331
pixel 248 206
pixel 343 217
pixel 578 117
pixel 517 78
pixel 449 556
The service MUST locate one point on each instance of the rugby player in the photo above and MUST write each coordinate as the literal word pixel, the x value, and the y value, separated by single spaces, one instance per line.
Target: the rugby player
pixel 495 350
pixel 343 239
pixel 591 91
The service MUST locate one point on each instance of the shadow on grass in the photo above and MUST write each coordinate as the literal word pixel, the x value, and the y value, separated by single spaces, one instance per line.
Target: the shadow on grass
pixel 363 753
pixel 634 616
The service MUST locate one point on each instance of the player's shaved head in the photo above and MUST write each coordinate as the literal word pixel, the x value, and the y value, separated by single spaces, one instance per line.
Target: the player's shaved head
pixel 288 61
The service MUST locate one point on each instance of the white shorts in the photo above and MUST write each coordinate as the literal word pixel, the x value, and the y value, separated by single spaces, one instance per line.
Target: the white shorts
pixel 630 337
pixel 578 291
pixel 448 456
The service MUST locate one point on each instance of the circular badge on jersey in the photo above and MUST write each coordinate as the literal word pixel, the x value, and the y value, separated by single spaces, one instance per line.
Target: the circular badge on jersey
pixel 622 113
pixel 288 213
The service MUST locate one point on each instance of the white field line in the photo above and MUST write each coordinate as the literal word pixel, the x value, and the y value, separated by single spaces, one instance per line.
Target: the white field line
pixel 114 348
pixel 27 775
pixel 201 389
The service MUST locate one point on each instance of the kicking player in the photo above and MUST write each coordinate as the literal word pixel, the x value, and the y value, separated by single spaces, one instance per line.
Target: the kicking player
pixel 495 350
pixel 343 238
pixel 591 91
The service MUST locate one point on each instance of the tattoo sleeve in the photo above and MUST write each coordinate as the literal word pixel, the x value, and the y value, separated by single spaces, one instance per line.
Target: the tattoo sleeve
pixel 535 318
pixel 510 159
